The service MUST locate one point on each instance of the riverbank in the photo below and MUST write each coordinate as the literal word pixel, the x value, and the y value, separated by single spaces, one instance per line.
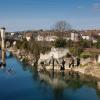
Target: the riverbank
pixel 92 69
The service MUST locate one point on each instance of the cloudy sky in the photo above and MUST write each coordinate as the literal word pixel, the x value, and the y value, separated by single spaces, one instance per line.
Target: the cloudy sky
pixel 18 15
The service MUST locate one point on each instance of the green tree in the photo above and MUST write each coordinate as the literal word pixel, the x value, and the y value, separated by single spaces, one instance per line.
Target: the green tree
pixel 60 43
pixel 85 55
pixel 18 44
pixel 98 42
pixel 69 43
pixel 85 43
pixel 75 51
pixel 25 45
pixel 35 50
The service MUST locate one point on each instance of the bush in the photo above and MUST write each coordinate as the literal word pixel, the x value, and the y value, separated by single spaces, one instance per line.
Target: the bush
pixel 68 55
pixel 45 49
pixel 72 50
pixel 60 43
pixel 76 51
pixel 85 43
pixel 85 55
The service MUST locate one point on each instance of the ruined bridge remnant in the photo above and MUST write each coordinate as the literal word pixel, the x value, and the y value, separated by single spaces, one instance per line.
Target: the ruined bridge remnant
pixel 2 30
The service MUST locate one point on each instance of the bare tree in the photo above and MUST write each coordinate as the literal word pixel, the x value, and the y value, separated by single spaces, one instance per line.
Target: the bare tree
pixel 62 26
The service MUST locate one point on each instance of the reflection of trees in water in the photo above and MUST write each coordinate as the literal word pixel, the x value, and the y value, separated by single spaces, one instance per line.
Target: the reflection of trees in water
pixel 58 94
pixel 25 67
pixel 73 79
pixel 69 79
pixel 32 69
pixel 77 80
pixel 35 72
pixel 98 92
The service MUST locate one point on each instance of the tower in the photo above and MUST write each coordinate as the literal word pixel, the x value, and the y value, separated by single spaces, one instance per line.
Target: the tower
pixel 3 45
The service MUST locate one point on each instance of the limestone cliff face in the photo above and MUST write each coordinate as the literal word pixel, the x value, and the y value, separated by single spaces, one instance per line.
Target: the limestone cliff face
pixel 55 52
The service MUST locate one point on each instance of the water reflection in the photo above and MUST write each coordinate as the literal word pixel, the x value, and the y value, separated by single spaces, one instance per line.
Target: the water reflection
pixel 9 71
pixel 63 81
pixel 27 83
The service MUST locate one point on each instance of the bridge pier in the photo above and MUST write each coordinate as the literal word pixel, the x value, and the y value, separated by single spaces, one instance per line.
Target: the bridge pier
pixel 3 46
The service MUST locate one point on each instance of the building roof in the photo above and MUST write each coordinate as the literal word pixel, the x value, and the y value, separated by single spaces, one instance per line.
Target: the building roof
pixel 29 34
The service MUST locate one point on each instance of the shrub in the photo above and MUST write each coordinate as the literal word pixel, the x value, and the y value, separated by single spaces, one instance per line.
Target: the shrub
pixel 68 55
pixel 76 51
pixel 85 55
pixel 60 43
pixel 45 49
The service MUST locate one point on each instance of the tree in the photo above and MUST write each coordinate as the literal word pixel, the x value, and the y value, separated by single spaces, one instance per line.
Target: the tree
pixel 98 42
pixel 25 45
pixel 35 50
pixel 69 43
pixel 75 51
pixel 85 55
pixel 60 43
pixel 62 26
pixel 85 44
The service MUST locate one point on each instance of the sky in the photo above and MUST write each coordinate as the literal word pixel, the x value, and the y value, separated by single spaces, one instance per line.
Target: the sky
pixel 19 15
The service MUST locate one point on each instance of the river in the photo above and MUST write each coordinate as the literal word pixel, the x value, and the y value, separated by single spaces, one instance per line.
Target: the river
pixel 22 82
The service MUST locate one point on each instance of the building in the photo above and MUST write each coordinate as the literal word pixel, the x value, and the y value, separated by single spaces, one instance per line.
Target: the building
pixel 12 34
pixel 28 36
pixel 50 38
pixel 39 38
pixel 85 37
pixel 74 36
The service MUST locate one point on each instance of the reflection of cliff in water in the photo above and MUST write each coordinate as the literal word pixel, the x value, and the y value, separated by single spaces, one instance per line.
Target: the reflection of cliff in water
pixel 68 80
pixel 59 81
